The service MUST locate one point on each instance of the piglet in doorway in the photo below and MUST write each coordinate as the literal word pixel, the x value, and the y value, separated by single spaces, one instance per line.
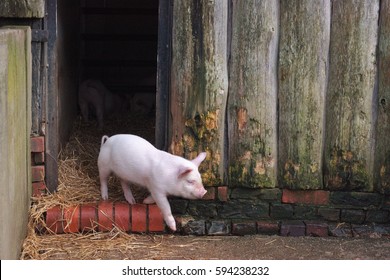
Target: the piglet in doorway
pixel 144 103
pixel 92 93
pixel 134 160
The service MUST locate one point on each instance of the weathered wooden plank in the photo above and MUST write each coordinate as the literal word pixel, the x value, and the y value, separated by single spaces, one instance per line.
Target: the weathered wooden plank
pixel 303 60
pixel 15 126
pixel 22 8
pixel 382 149
pixel 163 60
pixel 252 104
pixel 199 83
pixel 349 110
pixel 51 100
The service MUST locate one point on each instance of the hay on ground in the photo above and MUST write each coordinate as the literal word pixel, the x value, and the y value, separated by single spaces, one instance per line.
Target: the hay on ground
pixel 78 184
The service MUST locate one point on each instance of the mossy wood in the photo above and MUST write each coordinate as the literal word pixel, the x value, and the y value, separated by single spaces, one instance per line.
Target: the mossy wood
pixel 199 84
pixel 303 62
pixel 252 104
pixel 349 110
pixel 22 8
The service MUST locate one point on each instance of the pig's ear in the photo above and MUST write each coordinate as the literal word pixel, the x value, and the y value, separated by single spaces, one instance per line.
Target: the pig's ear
pixel 198 160
pixel 184 171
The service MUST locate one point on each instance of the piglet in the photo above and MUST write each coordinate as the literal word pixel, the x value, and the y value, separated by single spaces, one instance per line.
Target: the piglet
pixel 134 160
pixel 104 103
pixel 143 103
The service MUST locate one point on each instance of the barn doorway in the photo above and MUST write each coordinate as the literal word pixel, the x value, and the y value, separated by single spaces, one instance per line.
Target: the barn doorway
pixel 117 45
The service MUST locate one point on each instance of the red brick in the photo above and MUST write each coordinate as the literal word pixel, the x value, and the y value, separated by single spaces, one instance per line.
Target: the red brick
pixel 138 218
pixel 38 173
pixel 88 217
pixel 292 228
pixel 316 197
pixel 223 193
pixel 244 228
pixel 38 189
pixel 72 219
pixel 105 216
pixel 39 158
pixel 54 219
pixel 314 228
pixel 268 227
pixel 156 220
pixel 37 144
pixel 210 195
pixel 122 215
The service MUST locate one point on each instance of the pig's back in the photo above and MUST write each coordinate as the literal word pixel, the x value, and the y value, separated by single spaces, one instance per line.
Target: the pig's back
pixel 131 157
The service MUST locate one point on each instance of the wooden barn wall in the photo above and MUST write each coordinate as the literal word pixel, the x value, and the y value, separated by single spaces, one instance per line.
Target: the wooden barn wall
pixel 291 93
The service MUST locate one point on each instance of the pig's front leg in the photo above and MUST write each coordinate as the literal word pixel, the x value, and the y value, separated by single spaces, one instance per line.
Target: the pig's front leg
pixel 163 203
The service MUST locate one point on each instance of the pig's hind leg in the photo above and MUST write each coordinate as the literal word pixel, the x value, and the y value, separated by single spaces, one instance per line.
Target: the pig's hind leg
pixel 103 175
pixel 149 200
pixel 127 192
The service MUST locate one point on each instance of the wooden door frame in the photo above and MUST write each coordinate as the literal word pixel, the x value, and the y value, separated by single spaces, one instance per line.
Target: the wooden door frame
pixel 51 98
pixel 163 73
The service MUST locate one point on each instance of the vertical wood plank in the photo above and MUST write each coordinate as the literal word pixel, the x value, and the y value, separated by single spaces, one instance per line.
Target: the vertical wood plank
pixel 50 95
pixel 163 64
pixel 252 104
pixel 382 149
pixel 199 83
pixel 349 110
pixel 303 60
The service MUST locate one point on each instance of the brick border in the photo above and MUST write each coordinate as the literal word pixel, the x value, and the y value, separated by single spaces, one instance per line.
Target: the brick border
pixel 38 172
pixel 104 216
pixel 142 218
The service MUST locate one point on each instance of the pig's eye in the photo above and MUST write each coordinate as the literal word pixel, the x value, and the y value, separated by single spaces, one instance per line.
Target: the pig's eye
pixel 191 182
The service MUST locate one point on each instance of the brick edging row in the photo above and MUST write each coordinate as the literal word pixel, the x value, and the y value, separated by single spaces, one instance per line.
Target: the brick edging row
pixel 141 218
pixel 104 216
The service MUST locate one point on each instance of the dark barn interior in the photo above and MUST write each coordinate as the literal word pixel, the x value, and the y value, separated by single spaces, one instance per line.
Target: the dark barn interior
pixel 114 41
pixel 118 43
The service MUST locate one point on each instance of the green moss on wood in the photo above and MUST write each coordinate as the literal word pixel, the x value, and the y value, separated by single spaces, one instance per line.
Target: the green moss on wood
pixel 252 171
pixel 200 132
pixel 346 172
pixel 301 175
pixel 384 175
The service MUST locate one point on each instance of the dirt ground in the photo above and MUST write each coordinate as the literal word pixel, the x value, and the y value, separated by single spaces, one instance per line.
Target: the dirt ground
pixel 168 247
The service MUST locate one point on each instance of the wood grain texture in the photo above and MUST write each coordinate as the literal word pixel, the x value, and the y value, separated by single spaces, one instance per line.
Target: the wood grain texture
pixel 349 110
pixel 252 105
pixel 303 62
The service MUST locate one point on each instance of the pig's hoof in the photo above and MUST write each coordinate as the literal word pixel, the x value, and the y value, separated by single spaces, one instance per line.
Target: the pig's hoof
pixel 172 224
pixel 173 228
pixel 149 200
pixel 130 200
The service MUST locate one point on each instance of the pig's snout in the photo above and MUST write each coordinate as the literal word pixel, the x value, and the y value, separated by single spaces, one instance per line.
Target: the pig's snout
pixel 201 192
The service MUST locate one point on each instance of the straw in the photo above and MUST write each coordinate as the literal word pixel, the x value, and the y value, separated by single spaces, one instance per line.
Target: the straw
pixel 78 183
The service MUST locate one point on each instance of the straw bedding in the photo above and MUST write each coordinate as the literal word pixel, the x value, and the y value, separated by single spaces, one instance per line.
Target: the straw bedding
pixel 79 183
